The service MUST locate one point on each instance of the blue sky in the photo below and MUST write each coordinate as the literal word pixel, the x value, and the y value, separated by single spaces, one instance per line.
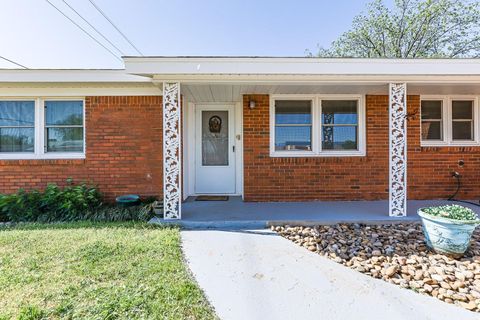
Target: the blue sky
pixel 36 35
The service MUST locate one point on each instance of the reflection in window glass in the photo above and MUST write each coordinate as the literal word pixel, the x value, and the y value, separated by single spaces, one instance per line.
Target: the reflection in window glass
pixel 432 123
pixel 64 113
pixel 64 126
pixel 340 125
pixel 462 109
pixel 462 120
pixel 17 120
pixel 293 138
pixel 432 130
pixel 293 125
pixel 64 139
pixel 462 130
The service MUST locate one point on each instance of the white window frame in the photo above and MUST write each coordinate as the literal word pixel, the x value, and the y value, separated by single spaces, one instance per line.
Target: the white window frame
pixel 25 154
pixel 442 120
pixel 39 143
pixel 317 126
pixel 447 121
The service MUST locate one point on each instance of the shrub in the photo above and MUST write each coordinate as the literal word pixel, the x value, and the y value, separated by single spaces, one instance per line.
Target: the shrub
pixel 454 212
pixel 20 206
pixel 115 213
pixel 53 204
pixel 69 203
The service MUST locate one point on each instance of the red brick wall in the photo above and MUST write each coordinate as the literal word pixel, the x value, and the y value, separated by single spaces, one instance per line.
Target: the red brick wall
pixel 124 155
pixel 123 152
pixel 351 178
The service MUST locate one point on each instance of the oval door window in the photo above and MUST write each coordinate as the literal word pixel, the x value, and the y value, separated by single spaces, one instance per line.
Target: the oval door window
pixel 215 124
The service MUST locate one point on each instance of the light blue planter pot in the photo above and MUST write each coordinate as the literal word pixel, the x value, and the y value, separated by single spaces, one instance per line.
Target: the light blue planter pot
pixel 447 236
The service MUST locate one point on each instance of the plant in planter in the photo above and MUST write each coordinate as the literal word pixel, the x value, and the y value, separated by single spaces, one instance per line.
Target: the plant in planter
pixel 448 229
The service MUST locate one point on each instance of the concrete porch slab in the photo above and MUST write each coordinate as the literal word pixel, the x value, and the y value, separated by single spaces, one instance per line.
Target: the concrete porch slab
pixel 236 214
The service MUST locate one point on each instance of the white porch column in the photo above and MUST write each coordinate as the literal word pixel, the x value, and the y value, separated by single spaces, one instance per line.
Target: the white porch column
pixel 172 164
pixel 398 150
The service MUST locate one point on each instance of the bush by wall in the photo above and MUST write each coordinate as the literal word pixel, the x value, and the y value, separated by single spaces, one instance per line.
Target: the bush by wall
pixel 108 213
pixel 69 203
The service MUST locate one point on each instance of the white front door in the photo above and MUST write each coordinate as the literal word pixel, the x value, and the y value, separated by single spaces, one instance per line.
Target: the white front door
pixel 214 150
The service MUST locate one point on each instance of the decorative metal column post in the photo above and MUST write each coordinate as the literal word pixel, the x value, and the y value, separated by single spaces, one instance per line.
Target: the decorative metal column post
pixel 172 168
pixel 398 150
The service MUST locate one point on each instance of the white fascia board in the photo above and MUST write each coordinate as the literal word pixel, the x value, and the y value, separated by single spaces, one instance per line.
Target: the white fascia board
pixel 77 90
pixel 315 79
pixel 278 68
pixel 70 76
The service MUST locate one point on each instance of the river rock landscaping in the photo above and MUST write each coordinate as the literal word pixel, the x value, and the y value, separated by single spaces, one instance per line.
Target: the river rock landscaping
pixel 398 254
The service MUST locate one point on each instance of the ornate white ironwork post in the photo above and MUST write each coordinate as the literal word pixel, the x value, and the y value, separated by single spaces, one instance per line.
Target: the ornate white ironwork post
pixel 398 150
pixel 172 186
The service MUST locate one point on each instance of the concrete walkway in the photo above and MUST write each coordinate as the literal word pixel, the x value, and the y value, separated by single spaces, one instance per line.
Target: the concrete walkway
pixel 259 275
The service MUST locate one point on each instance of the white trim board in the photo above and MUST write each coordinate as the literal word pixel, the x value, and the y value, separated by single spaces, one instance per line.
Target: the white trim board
pixel 66 75
pixel 261 69
pixel 58 90
pixel 299 66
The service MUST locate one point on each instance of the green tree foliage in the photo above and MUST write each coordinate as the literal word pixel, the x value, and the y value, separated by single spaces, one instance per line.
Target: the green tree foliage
pixel 412 29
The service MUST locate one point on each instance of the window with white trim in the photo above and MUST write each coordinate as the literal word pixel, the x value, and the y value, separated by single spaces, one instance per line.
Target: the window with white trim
pixel 17 126
pixel 462 120
pixel 42 128
pixel 339 124
pixel 63 126
pixel 317 125
pixel 293 125
pixel 449 120
pixel 432 120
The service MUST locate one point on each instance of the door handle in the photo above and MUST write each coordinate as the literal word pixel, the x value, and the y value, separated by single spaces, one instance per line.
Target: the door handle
pixel 233 148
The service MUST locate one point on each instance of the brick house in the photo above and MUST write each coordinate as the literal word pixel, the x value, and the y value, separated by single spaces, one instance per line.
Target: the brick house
pixel 266 129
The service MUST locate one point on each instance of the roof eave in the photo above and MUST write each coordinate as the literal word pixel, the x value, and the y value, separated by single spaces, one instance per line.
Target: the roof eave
pixel 69 76
pixel 235 68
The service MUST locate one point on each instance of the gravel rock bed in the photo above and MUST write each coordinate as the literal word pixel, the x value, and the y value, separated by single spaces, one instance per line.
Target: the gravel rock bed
pixel 397 254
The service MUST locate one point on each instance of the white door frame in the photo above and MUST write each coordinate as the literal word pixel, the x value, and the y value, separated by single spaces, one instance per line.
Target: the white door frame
pixel 190 141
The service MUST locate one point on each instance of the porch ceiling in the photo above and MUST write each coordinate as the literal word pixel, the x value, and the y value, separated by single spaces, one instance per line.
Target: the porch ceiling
pixel 233 92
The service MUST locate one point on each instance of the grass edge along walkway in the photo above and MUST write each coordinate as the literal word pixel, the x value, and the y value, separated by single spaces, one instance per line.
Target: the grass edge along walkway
pixel 96 271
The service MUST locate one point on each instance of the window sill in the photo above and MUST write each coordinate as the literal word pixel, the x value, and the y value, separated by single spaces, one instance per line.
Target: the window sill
pixel 50 156
pixel 451 144
pixel 324 154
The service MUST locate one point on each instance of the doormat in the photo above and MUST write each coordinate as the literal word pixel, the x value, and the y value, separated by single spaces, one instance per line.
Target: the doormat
pixel 211 198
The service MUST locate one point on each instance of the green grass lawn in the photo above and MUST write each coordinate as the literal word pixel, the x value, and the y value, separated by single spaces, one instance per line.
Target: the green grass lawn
pixel 96 271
